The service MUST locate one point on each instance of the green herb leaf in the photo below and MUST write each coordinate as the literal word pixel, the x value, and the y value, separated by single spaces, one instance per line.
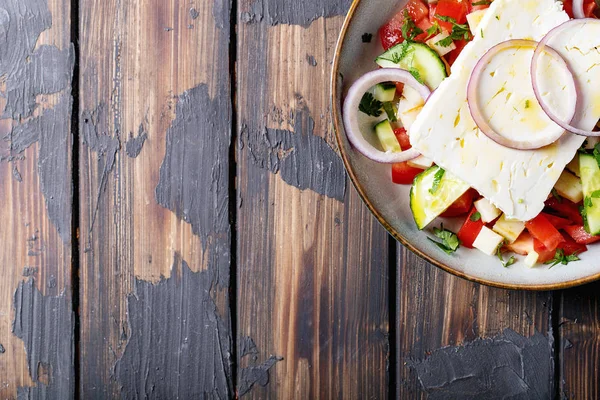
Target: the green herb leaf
pixel 585 219
pixel 476 216
pixel 508 262
pixel 556 195
pixel 370 105
pixel 482 3
pixel 587 201
pixel 435 28
pixel 597 153
pixel 450 241
pixel 409 28
pixel 417 75
pixel 437 179
pixel 403 50
pixel 561 258
pixel 390 110
pixel 595 194
pixel 445 42
pixel 459 31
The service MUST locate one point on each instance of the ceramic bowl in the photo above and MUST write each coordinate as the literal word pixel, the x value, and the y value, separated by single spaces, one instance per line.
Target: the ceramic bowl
pixel 390 202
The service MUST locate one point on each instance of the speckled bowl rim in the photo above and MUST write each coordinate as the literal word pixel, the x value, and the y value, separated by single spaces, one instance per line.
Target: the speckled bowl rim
pixel 336 114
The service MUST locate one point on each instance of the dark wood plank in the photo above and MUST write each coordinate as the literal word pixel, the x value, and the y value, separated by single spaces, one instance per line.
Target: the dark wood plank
pixel 36 65
pixel 579 327
pixel 155 235
pixel 458 339
pixel 312 271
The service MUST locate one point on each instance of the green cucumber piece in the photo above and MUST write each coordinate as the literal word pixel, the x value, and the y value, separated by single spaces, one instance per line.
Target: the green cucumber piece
pixel 590 180
pixel 385 92
pixel 427 204
pixel 417 58
pixel 386 136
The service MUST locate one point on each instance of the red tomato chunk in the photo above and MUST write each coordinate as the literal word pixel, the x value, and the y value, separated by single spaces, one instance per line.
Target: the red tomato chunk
pixel 461 206
pixel 542 230
pixel 469 231
pixel 403 173
pixel 580 235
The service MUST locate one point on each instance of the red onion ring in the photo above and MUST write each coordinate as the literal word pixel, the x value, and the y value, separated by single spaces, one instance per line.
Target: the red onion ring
pixel 352 101
pixel 476 114
pixel 542 46
pixel 578 9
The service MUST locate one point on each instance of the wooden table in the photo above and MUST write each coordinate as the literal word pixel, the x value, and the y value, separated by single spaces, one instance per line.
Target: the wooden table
pixel 176 223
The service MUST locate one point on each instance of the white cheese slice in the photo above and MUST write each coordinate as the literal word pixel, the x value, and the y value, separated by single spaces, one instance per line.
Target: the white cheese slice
pixel 517 181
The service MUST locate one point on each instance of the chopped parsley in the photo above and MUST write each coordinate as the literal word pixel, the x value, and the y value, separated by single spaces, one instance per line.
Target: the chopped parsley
pixel 596 153
pixel 435 28
pixel 498 17
pixel 398 55
pixel 390 110
pixel 445 42
pixel 409 29
pixel 585 219
pixel 527 104
pixel 596 194
pixel 556 195
pixel 417 75
pixel 366 37
pixel 587 201
pixel 476 216
pixel 508 262
pixel 521 201
pixel 482 3
pixel 561 258
pixel 459 31
pixel 437 179
pixel 449 241
pixel 370 105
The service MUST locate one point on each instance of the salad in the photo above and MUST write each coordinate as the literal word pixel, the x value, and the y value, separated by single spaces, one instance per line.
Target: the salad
pixel 490 111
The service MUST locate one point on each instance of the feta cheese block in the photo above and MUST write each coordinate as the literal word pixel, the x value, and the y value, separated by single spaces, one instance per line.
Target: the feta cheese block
pixel 516 181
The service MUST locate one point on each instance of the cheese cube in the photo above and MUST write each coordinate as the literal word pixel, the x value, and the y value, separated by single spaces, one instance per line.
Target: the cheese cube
pixel 569 187
pixel 441 50
pixel 488 211
pixel 509 228
pixel 531 259
pixel 488 241
pixel 420 162
pixel 474 19
pixel 573 166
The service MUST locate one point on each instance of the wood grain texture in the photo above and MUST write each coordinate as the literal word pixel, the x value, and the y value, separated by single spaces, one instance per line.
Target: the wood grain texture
pixel 36 332
pixel 436 309
pixel 579 332
pixel 312 273
pixel 158 70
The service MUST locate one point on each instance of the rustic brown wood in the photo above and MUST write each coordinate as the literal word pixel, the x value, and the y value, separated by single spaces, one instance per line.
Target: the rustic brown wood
pixel 579 327
pixel 146 67
pixel 436 309
pixel 312 271
pixel 32 249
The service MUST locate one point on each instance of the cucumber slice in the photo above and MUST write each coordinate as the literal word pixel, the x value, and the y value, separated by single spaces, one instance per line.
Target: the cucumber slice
pixel 386 136
pixel 418 58
pixel 426 204
pixel 385 92
pixel 590 180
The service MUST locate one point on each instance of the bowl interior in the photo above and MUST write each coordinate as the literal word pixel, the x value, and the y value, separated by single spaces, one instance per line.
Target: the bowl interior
pixel 390 202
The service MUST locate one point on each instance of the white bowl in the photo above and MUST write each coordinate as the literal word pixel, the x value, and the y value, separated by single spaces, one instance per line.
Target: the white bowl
pixel 390 202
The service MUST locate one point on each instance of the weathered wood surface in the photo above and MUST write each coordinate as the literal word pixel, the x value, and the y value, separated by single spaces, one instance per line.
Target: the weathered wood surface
pixel 155 127
pixel 458 339
pixel 312 264
pixel 579 332
pixel 36 320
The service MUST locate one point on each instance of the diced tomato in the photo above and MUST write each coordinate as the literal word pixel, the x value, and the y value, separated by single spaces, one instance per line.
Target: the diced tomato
pixel 580 235
pixel 456 9
pixel 390 34
pixel 542 230
pixel 523 245
pixel 453 55
pixel 589 6
pixel 570 246
pixel 402 173
pixel 403 138
pixel 469 231
pixel 565 209
pixel 557 222
pixel 544 253
pixel 399 88
pixel 424 25
pixel 461 206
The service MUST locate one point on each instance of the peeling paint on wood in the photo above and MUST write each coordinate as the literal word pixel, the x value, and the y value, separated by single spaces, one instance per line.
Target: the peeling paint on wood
pixel 45 324
pixel 303 160
pixel 276 12
pixel 194 174
pixel 253 373
pixel 51 130
pixel 179 345
pixel 134 145
pixel 505 366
